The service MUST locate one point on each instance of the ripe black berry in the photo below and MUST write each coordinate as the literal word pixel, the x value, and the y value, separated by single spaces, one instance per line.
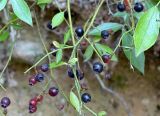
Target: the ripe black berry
pixel 138 7
pixel 53 91
pixel 39 77
pixel 49 26
pixel 5 102
pixel 53 49
pixel 79 31
pixel 80 74
pixel 44 67
pixel 86 97
pixel 32 109
pixel 106 58
pixel 104 34
pixel 70 73
pixel 98 67
pixel 32 81
pixel 121 7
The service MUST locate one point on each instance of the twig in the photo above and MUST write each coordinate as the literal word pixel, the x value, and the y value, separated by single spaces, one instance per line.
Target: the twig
pixel 109 10
pixel 115 94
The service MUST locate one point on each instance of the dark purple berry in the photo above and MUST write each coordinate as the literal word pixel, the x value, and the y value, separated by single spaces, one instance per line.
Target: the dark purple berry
pixel 86 97
pixel 49 26
pixel 5 102
pixel 39 77
pixel 53 49
pixel 80 74
pixel 44 67
pixel 32 81
pixel 106 58
pixel 53 91
pixel 138 7
pixel 32 109
pixel 33 102
pixel 121 7
pixel 97 67
pixel 70 73
pixel 79 31
pixel 104 34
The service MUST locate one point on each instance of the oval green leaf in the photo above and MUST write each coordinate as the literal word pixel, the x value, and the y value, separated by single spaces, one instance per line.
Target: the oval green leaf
pixel 88 53
pixel 67 36
pixel 146 31
pixel 105 26
pixel 57 19
pixel 43 1
pixel 137 62
pixel 103 49
pixel 59 55
pixel 4 36
pixel 74 101
pixel 2 4
pixel 102 113
pixel 22 11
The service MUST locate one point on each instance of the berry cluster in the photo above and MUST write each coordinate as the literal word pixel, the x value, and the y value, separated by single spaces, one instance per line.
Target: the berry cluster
pixel 39 77
pixel 5 102
pixel 138 7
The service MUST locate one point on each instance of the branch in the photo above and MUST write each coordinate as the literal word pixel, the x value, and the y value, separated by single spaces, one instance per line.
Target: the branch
pixel 115 94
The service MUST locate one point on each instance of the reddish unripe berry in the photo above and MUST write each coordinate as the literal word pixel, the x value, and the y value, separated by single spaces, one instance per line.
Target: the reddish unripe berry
pixel 32 81
pixel 39 98
pixel 33 102
pixel 106 58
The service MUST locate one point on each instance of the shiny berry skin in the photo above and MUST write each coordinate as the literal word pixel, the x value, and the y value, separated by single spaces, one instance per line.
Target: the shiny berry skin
pixel 53 91
pixel 80 74
pixel 32 109
pixel 138 7
pixel 53 49
pixel 32 81
pixel 121 7
pixel 44 67
pixel 106 58
pixel 104 34
pixel 39 77
pixel 97 67
pixel 79 31
pixel 86 97
pixel 70 73
pixel 5 102
pixel 33 102
pixel 49 26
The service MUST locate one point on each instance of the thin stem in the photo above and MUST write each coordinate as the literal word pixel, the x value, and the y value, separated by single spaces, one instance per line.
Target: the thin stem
pixel 87 108
pixel 10 56
pixel 45 57
pixel 70 21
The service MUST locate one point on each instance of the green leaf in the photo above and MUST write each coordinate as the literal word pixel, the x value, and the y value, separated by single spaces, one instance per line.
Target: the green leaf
pixel 59 55
pixel 105 26
pixel 16 26
pixel 88 53
pixel 43 1
pixel 138 15
pixel 73 61
pixel 137 62
pixel 146 31
pixel 4 36
pixel 102 113
pixel 56 44
pixel 2 4
pixel 22 11
pixel 74 101
pixel 67 36
pixel 124 15
pixel 55 64
pixel 103 49
pixel 57 19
